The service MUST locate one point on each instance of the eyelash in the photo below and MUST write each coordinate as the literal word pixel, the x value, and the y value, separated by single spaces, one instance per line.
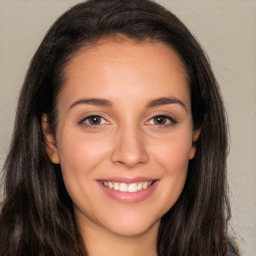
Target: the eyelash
pixel 168 121
pixel 90 125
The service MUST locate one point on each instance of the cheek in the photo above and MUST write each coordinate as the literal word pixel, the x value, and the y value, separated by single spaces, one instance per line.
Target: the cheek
pixel 173 157
pixel 174 153
pixel 80 154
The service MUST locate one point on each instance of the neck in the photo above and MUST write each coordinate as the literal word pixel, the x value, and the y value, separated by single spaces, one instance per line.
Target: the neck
pixel 99 241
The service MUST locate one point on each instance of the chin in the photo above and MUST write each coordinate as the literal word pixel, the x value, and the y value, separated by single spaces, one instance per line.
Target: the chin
pixel 130 226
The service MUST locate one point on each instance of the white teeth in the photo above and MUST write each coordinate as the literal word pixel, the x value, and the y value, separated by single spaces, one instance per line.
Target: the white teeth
pixel 139 187
pixel 116 186
pixel 123 187
pixel 127 187
pixel 109 184
pixel 145 185
pixel 133 187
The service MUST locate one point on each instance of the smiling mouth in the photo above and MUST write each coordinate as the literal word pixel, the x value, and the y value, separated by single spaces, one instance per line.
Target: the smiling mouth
pixel 128 187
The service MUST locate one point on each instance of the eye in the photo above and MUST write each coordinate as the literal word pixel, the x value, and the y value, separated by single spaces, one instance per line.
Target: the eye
pixel 94 120
pixel 162 120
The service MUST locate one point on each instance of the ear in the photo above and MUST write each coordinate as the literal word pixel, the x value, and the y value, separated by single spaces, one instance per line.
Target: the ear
pixel 195 137
pixel 50 140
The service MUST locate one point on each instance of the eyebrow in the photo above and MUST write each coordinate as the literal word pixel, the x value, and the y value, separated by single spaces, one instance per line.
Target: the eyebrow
pixel 165 101
pixel 92 101
pixel 106 103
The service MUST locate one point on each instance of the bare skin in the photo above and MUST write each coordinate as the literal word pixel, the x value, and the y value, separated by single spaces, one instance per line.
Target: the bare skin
pixel 124 119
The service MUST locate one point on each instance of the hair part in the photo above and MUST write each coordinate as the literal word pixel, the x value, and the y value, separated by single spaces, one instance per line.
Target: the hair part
pixel 37 213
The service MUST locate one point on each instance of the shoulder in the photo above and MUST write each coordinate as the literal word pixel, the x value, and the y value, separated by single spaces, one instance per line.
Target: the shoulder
pixel 231 250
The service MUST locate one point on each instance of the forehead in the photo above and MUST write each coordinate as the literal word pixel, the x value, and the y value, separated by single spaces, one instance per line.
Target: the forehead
pixel 112 65
pixel 114 48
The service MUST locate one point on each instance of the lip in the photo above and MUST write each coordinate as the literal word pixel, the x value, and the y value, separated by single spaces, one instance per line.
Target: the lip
pixel 129 179
pixel 128 197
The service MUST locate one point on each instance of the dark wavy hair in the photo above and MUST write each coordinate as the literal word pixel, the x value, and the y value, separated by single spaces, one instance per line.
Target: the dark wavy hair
pixel 37 216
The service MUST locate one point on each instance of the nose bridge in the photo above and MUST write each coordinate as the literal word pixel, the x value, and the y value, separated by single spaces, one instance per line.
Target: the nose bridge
pixel 129 148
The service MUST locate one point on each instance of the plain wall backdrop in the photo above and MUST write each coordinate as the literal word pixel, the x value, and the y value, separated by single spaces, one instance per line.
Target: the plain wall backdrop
pixel 226 30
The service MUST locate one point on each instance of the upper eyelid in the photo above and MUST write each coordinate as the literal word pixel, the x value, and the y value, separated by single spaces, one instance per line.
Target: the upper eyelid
pixel 166 114
pixel 170 118
pixel 85 116
pixel 89 116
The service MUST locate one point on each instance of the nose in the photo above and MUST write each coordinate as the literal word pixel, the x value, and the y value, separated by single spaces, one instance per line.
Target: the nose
pixel 129 149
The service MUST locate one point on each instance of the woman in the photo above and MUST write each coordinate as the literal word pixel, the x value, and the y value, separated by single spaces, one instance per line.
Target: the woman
pixel 120 140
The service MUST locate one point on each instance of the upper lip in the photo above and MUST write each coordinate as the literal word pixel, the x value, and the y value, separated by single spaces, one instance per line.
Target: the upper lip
pixel 128 179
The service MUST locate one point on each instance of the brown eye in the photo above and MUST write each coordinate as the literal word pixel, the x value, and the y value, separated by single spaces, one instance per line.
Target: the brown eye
pixel 160 120
pixel 94 120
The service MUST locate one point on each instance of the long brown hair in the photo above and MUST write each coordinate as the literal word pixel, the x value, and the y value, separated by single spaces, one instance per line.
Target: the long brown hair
pixel 37 213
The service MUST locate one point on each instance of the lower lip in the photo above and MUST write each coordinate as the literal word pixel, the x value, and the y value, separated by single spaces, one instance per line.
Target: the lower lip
pixel 129 197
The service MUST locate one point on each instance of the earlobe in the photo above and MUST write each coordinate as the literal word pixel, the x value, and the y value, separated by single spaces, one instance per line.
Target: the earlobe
pixel 195 137
pixel 50 140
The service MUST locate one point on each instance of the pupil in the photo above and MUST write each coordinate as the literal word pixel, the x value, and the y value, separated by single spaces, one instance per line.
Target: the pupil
pixel 160 120
pixel 95 120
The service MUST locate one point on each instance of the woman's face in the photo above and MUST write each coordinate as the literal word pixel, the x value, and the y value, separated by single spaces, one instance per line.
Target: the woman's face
pixel 124 134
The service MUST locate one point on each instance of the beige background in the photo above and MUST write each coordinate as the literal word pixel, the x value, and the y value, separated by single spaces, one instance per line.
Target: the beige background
pixel 227 31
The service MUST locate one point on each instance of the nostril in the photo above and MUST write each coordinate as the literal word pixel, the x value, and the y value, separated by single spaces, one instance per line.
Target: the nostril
pixel 129 149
